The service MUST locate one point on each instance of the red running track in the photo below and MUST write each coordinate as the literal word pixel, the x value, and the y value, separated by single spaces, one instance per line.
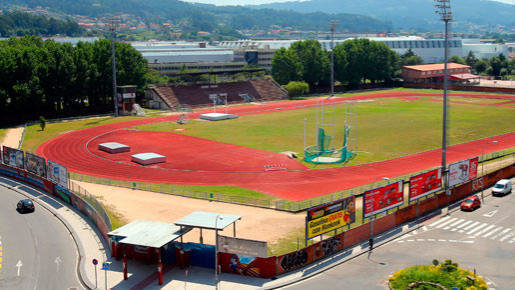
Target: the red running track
pixel 214 163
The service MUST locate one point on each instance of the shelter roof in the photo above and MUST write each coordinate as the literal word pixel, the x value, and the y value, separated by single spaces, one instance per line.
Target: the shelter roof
pixel 148 233
pixel 464 76
pixel 208 220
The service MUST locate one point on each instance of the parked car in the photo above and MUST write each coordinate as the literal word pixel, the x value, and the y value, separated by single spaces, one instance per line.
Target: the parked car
pixel 502 187
pixel 25 205
pixel 471 203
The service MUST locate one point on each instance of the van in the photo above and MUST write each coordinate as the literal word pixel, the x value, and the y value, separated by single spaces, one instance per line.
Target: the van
pixel 502 187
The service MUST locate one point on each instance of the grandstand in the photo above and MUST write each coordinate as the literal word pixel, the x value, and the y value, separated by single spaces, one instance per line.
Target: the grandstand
pixel 198 95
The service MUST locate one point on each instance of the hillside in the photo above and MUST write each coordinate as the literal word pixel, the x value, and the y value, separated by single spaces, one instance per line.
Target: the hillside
pixel 191 17
pixel 18 23
pixel 411 14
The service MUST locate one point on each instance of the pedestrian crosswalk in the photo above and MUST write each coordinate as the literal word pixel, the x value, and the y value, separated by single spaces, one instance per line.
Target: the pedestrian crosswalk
pixel 475 229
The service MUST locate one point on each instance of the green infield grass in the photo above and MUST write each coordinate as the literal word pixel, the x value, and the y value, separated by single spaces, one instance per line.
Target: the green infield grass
pixel 386 128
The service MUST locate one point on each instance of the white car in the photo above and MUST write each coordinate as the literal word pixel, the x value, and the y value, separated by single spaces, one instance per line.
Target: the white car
pixel 502 187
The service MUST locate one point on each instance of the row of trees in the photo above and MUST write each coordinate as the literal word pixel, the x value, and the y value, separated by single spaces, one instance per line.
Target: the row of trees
pixel 19 24
pixel 48 78
pixel 497 66
pixel 355 61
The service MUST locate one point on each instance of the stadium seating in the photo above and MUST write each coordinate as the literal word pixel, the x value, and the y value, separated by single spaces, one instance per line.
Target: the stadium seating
pixel 198 95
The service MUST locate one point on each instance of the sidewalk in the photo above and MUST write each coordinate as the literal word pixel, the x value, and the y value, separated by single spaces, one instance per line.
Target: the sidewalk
pixel 142 276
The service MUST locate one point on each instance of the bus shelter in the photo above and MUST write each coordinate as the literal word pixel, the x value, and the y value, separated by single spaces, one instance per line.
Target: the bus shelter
pixel 143 239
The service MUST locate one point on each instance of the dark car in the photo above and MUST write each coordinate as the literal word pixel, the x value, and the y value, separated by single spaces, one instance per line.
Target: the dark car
pixel 25 205
pixel 471 203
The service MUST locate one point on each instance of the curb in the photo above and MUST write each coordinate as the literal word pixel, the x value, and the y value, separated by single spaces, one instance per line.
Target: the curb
pixel 81 261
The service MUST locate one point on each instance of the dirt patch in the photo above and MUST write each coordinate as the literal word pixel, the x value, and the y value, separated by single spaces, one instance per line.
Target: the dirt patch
pixel 256 223
pixel 12 137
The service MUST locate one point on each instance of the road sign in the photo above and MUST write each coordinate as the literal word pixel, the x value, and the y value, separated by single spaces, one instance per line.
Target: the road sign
pixel 95 262
pixel 105 266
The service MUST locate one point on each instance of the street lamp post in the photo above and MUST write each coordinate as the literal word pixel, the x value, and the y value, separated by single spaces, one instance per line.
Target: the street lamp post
pixel 483 171
pixel 216 250
pixel 444 10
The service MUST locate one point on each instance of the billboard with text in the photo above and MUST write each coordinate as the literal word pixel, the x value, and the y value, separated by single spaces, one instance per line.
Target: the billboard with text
pixel 381 199
pixel 425 183
pixel 13 157
pixel 463 171
pixel 57 174
pixel 331 216
pixel 35 164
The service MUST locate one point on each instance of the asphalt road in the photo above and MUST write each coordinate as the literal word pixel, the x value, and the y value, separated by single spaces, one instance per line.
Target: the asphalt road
pixel 37 250
pixel 483 240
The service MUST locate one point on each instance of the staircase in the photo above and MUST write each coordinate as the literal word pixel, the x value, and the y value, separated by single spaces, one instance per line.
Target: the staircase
pixel 269 90
pixel 168 96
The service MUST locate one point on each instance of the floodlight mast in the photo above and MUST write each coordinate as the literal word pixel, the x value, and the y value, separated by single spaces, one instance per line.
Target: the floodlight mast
pixel 333 24
pixel 112 28
pixel 444 10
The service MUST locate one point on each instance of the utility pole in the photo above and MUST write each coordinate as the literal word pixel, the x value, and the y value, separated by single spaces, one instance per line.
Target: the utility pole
pixel 444 10
pixel 112 28
pixel 333 23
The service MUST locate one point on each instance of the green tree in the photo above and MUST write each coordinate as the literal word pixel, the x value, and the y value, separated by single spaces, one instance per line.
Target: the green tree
pixel 481 66
pixel 286 66
pixel 471 60
pixel 456 59
pixel 410 58
pixel 315 62
pixel 296 89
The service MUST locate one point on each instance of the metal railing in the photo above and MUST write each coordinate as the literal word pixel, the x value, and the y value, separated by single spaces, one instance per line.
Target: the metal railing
pixel 92 201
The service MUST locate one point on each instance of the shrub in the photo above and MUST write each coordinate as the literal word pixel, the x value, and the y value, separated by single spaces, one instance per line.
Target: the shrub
pixel 296 89
pixel 446 274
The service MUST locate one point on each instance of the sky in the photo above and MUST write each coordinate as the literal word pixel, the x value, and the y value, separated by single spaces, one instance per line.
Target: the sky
pixel 247 2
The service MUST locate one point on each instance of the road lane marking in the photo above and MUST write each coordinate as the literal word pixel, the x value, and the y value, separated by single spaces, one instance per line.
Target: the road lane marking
pixel 463 224
pixel 490 214
pixel 469 227
pixel 440 240
pixel 439 221
pixel 484 230
pixel 446 222
pixel 19 265
pixel 454 224
pixel 506 237
pixel 500 234
pixel 477 229
pixel 491 232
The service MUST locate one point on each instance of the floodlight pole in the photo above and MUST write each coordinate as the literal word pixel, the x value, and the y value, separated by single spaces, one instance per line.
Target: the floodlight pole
pixel 333 23
pixel 444 10
pixel 113 60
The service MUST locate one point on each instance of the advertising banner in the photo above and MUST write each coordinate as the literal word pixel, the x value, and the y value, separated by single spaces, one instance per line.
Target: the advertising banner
pixel 13 157
pixel 57 174
pixel 331 216
pixel 425 183
pixel 242 246
pixel 248 265
pixel 383 198
pixel 463 171
pixel 35 164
